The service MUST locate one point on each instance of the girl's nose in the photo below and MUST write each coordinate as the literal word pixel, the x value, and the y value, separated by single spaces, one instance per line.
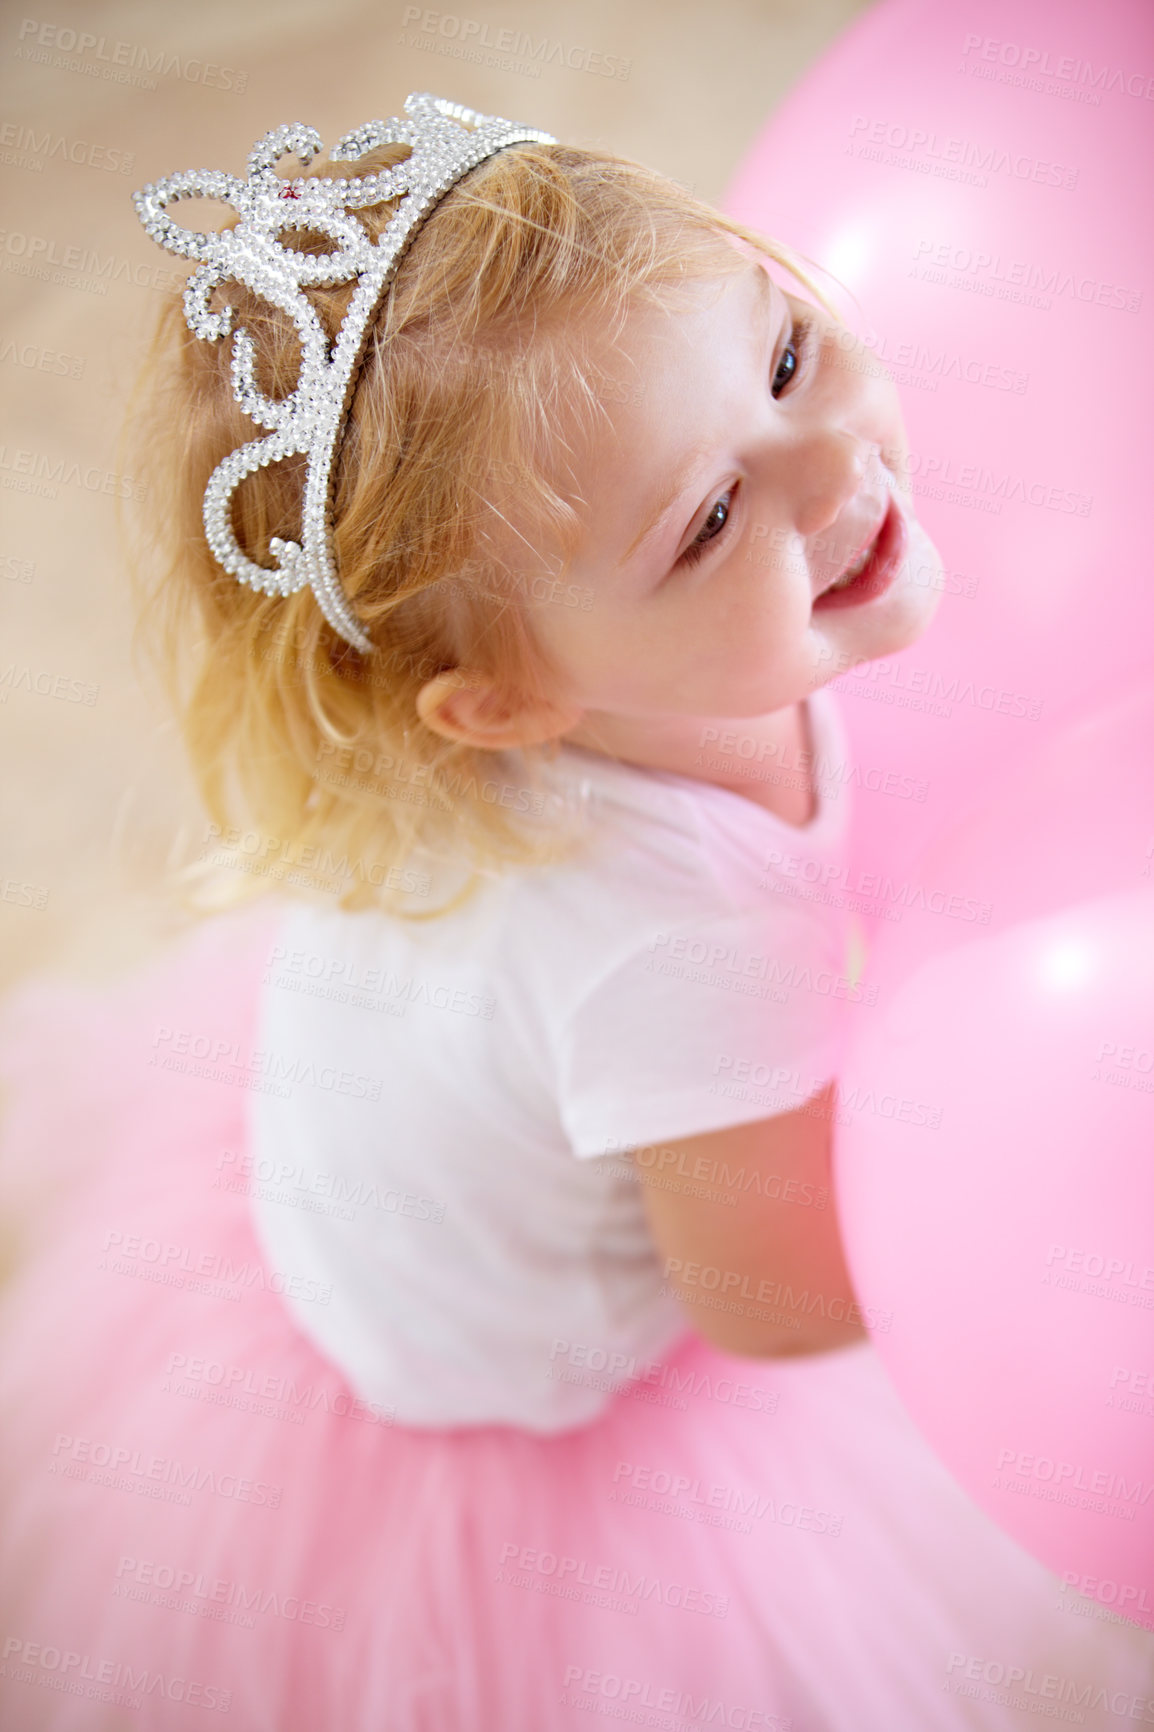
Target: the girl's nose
pixel 832 468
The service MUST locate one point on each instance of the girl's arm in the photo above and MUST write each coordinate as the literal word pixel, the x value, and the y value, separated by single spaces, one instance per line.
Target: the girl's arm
pixel 759 1266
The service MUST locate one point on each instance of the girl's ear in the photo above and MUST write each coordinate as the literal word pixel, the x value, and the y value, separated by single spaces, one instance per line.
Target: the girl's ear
pixel 464 705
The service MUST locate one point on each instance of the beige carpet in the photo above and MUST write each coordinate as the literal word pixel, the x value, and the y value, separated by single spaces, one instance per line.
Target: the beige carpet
pixel 101 98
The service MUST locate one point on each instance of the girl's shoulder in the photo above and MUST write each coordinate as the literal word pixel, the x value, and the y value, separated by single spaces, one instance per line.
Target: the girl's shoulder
pixel 695 823
pixel 653 853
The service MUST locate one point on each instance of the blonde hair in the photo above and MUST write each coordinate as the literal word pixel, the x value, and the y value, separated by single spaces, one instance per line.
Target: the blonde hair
pixel 469 357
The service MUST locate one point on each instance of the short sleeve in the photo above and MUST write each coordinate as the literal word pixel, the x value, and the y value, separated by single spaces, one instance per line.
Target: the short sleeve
pixel 705 1024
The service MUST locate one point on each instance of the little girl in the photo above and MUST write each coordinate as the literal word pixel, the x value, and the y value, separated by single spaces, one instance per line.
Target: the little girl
pixel 426 1309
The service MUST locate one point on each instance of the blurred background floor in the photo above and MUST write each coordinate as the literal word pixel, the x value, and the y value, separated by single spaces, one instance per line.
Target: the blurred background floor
pixel 98 99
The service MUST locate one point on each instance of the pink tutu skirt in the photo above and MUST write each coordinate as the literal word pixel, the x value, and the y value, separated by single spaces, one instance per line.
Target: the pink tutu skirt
pixel 200 1524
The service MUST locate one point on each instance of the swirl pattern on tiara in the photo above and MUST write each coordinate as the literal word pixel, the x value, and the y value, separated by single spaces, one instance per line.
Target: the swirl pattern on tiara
pixel 446 140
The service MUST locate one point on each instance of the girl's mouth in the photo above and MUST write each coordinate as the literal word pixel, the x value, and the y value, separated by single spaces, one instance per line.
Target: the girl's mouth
pixel 875 570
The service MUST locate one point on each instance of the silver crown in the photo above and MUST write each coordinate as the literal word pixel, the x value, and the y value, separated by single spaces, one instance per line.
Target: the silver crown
pixel 310 421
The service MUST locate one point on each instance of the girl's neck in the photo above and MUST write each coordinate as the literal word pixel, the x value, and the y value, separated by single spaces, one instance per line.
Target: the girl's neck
pixel 768 759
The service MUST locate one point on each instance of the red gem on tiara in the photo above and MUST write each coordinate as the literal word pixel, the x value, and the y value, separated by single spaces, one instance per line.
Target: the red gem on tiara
pixel 289 192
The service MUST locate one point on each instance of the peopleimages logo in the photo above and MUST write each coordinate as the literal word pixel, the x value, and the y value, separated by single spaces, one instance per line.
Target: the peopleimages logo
pixel 39 472
pixel 553 1572
pixel 1021 1686
pixel 35 359
pixel 116 1682
pixel 994 273
pixel 474 40
pixel 1106 1592
pixel 668 1493
pixel 1029 65
pixel 1073 1483
pixel 720 960
pixel 70 50
pixel 175 1265
pixel 216 1594
pixel 618 1367
pixel 24 147
pixel 924 149
pixel 229 1061
pixel 126 1468
pixel 623 1698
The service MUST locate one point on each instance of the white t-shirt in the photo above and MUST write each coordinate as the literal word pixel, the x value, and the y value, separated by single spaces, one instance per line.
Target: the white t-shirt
pixel 440 1178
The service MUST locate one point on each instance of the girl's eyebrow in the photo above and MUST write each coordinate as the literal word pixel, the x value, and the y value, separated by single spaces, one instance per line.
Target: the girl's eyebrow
pixel 669 497
pixel 668 500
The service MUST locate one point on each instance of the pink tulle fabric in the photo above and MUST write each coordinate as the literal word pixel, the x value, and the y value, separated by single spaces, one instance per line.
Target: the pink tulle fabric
pixel 200 1524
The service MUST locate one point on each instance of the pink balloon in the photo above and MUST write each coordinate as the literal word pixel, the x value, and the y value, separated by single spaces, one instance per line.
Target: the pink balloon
pixel 993 1161
pixel 1071 822
pixel 972 174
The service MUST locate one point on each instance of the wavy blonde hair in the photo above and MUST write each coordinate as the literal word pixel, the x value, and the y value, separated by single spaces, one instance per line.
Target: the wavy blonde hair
pixel 315 770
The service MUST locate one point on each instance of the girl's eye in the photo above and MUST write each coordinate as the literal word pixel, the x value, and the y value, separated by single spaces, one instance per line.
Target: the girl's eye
pixel 793 361
pixel 713 527
pixel 795 353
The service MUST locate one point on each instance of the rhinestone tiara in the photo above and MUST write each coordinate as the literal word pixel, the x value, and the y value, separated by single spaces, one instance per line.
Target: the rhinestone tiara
pixel 446 141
